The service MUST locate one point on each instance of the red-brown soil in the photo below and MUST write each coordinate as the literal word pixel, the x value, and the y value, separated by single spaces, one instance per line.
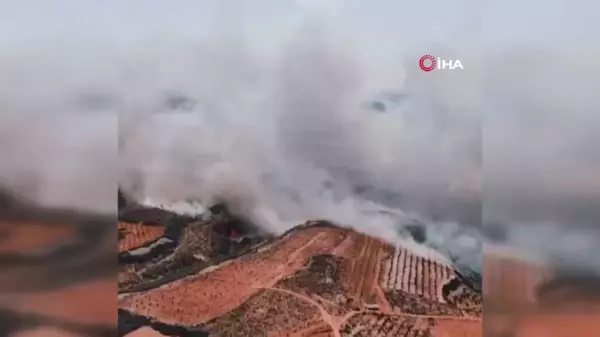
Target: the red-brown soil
pixel 318 280
pixel 514 307
pixel 31 236
pixel 88 303
pixel 137 235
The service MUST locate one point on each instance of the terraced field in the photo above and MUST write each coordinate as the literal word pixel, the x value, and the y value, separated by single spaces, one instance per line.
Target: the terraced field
pixel 318 279
pixel 321 280
pixel 136 235
pixel 408 272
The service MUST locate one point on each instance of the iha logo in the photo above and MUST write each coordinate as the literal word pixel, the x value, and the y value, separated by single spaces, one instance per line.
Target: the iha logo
pixel 429 63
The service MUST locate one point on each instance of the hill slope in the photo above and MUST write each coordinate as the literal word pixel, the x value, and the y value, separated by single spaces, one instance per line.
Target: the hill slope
pixel 221 277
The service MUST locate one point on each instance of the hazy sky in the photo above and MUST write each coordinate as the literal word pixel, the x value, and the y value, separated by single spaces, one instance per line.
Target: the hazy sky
pixel 381 24
pixel 84 38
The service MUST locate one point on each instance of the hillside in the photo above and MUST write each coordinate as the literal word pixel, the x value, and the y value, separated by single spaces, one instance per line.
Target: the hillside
pixel 219 276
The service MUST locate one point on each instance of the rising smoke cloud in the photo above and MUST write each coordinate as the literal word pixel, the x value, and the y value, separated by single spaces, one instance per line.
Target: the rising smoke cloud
pixel 295 143
pixel 282 132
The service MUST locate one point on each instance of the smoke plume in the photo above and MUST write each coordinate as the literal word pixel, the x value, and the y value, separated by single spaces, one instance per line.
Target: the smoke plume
pixel 316 121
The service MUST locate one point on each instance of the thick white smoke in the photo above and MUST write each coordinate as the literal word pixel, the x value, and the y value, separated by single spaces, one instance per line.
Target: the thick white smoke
pixel 61 160
pixel 541 167
pixel 283 128
pixel 290 137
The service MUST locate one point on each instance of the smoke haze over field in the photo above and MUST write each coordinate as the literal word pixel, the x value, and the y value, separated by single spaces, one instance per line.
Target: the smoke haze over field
pixel 263 104
pixel 51 159
pixel 288 139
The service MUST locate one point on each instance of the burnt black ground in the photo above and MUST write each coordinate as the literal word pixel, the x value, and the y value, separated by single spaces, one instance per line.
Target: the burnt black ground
pixel 129 322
